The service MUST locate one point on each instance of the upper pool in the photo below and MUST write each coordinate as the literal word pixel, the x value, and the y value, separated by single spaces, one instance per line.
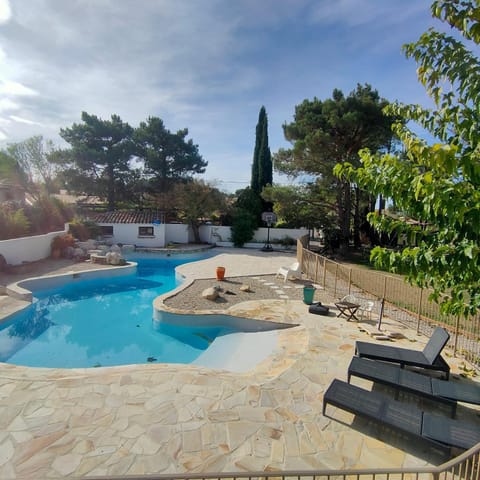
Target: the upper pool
pixel 108 321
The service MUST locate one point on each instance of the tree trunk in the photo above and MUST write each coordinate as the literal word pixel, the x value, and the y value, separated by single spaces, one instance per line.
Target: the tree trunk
pixel 356 218
pixel 111 187
pixel 196 232
pixel 344 209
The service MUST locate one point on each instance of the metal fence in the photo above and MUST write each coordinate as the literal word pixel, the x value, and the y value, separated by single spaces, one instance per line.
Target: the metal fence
pixel 402 302
pixel 463 467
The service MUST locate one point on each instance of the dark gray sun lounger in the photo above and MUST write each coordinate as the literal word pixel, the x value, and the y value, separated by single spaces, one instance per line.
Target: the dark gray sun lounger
pixel 434 389
pixel 442 431
pixel 429 358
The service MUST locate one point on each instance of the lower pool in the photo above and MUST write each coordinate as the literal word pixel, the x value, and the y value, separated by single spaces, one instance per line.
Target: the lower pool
pixel 104 322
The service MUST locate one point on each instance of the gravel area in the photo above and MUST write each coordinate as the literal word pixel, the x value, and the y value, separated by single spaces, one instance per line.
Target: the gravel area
pixel 262 287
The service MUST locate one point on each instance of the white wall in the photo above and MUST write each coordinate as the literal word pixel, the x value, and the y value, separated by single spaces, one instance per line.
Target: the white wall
pixel 127 233
pixel 214 234
pixel 28 249
pixel 177 233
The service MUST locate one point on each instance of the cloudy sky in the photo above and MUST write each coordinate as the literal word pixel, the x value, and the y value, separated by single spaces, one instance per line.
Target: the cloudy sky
pixel 208 65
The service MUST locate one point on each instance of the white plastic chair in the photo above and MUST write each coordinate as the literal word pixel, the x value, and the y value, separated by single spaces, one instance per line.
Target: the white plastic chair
pixel 366 306
pixel 293 271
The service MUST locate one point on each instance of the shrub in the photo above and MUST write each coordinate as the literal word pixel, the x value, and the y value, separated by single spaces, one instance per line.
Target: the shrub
pixel 243 227
pixel 13 223
pixel 61 242
pixel 84 229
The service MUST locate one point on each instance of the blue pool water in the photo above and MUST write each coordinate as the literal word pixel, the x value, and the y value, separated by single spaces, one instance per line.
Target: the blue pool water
pixel 103 322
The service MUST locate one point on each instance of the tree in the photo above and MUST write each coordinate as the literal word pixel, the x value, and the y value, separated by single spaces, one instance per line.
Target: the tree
pixel 437 184
pixel 167 156
pixel 196 201
pixel 99 158
pixel 11 171
pixel 328 132
pixel 302 205
pixel 32 155
pixel 262 170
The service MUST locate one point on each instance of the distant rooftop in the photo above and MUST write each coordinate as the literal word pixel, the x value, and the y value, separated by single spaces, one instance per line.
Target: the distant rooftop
pixel 128 216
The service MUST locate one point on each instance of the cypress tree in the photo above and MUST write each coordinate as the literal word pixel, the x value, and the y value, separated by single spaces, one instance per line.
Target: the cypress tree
pixel 262 157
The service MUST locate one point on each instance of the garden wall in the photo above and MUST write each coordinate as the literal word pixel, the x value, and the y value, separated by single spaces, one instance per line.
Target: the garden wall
pixel 28 249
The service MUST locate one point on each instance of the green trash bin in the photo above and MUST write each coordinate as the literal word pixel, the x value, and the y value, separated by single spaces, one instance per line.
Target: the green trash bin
pixel 308 292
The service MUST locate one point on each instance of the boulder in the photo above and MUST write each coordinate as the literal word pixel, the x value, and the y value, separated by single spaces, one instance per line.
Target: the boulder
pixel 3 263
pixel 114 258
pixel 211 293
pixel 245 288
pixel 115 248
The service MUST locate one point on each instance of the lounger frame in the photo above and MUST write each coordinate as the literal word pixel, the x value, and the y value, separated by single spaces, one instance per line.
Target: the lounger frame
pixel 429 358
pixel 441 431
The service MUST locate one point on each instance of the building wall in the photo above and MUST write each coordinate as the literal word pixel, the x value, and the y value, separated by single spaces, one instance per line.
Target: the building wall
pixel 215 234
pixel 28 249
pixel 127 234
pixel 177 233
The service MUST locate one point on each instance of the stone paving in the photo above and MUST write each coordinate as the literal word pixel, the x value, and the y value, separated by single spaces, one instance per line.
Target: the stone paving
pixel 163 418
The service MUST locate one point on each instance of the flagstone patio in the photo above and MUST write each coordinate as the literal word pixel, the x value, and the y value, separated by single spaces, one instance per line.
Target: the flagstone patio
pixel 164 418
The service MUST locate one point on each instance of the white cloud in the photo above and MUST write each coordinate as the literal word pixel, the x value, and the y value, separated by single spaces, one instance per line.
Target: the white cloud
pixel 8 87
pixel 23 120
pixel 7 105
pixel 5 11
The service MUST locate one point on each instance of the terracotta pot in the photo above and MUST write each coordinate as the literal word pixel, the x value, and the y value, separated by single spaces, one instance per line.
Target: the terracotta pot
pixel 220 273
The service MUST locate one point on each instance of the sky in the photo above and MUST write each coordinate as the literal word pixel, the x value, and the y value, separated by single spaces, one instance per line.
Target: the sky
pixel 205 65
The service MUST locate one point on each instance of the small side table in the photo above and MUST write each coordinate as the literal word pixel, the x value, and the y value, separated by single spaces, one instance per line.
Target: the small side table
pixel 347 310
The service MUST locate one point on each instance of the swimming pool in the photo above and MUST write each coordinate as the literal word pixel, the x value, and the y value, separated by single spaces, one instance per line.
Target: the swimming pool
pixel 97 322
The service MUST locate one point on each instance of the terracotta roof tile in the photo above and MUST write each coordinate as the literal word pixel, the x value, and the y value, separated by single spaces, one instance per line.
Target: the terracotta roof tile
pixel 128 216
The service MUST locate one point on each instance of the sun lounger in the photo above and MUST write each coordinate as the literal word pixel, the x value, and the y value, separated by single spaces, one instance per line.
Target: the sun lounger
pixel 433 389
pixel 429 358
pixel 436 429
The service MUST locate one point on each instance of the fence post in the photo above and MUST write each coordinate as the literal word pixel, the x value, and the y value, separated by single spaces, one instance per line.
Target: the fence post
pixel 457 328
pixel 419 310
pixel 316 267
pixel 324 271
pixel 335 288
pixel 384 287
pixel 349 281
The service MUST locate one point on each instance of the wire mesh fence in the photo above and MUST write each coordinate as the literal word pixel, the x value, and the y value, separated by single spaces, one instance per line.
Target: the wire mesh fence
pixel 404 303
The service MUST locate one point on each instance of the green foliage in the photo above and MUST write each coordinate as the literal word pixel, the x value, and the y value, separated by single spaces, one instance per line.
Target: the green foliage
pixel 439 184
pixel 167 156
pixel 196 201
pixel 302 205
pixel 249 201
pixel 11 171
pixel 99 157
pixel 33 157
pixel 328 132
pixel 262 169
pixel 13 222
pixel 84 229
pixel 243 227
pixel 47 214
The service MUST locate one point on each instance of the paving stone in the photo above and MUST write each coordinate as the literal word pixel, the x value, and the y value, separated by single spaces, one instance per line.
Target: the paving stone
pixel 67 464
pixel 7 451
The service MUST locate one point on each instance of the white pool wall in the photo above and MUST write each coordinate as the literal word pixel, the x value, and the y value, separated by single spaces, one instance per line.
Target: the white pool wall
pixel 23 289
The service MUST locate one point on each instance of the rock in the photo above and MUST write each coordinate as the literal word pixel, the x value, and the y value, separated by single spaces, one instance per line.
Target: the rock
pixel 114 258
pixel 115 249
pixel 3 263
pixel 245 288
pixel 210 293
